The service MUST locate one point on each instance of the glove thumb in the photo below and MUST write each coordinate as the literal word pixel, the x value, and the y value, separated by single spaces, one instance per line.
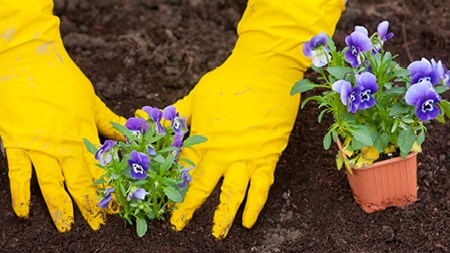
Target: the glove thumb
pixel 184 106
pixel 103 118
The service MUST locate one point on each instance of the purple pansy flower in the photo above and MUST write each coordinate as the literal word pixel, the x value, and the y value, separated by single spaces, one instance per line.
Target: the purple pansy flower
pixel 384 36
pixel 171 114
pixel 178 143
pixel 139 164
pixel 178 124
pixel 349 96
pixel 104 153
pixel 316 50
pixel 156 115
pixel 186 177
pixel 137 126
pixel 357 42
pixel 137 194
pixel 425 98
pixel 423 71
pixel 369 82
pixel 178 140
pixel 442 71
pixel 382 30
pixel 104 203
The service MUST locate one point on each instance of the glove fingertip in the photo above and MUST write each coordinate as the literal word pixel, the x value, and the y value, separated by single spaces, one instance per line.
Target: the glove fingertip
pixel 179 220
pixel 63 219
pixel 249 219
pixel 22 209
pixel 220 229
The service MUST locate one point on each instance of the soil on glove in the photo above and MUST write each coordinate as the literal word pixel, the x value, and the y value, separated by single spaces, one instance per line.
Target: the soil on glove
pixel 141 52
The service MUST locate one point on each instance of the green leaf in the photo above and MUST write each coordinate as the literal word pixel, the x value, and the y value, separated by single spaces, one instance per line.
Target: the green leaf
pixel 141 226
pixel 407 120
pixel 167 163
pixel 150 214
pixel 191 163
pixel 89 146
pixel 327 140
pixel 154 139
pixel 420 137
pixel 395 91
pixel 441 89
pixel 122 189
pixel 402 72
pixel 316 98
pixel 362 134
pixel 114 176
pixel 167 149
pixel 356 145
pixel 173 194
pixel 445 105
pixel 322 113
pixel 159 158
pixel 99 181
pixel 302 86
pixel 406 140
pixel 193 140
pixel 394 126
pixel 399 108
pixel 123 130
pixel 171 181
pixel 317 69
pixel 382 141
pixel 339 72
pixel 148 135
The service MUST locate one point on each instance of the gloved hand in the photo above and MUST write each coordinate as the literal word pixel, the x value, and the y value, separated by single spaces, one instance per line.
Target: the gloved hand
pixel 47 107
pixel 245 110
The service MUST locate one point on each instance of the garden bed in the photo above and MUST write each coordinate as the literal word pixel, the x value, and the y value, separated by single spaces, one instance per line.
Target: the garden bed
pixel 139 52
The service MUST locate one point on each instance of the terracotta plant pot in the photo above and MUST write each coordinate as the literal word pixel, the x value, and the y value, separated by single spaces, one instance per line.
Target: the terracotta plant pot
pixel 384 184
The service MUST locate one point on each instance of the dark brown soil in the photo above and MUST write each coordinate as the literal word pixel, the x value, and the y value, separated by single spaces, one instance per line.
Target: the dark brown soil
pixel 142 52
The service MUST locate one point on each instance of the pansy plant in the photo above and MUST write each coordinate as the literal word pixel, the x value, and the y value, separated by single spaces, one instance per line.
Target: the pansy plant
pixel 145 175
pixel 377 106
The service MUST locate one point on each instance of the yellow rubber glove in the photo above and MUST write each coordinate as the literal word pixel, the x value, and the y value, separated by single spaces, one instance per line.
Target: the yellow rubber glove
pixel 47 107
pixel 245 110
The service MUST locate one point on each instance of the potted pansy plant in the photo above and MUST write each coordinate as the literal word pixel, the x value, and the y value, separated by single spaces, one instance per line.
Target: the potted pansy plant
pixel 379 110
pixel 144 176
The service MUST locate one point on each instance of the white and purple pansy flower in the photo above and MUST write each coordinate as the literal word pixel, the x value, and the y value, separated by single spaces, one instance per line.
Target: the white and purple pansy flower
pixel 137 194
pixel 357 42
pixel 349 96
pixel 317 50
pixel 186 177
pixel 170 113
pixel 156 115
pixel 139 163
pixel 104 203
pixel 368 81
pixel 423 71
pixel 105 153
pixel 425 98
pixel 137 126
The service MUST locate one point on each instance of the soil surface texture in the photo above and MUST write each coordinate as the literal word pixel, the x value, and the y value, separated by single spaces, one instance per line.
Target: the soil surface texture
pixel 153 52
